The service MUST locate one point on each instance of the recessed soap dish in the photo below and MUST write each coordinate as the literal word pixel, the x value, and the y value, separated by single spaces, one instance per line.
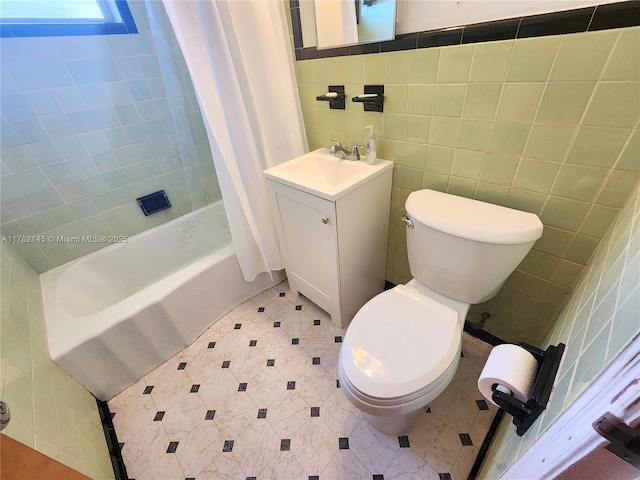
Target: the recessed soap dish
pixel 154 202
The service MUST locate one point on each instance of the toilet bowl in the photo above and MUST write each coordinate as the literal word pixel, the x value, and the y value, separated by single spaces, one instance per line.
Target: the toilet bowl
pixel 402 348
pixel 400 352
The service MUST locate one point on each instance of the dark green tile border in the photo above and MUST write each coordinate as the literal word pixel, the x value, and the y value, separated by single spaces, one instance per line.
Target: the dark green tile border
pixel 599 17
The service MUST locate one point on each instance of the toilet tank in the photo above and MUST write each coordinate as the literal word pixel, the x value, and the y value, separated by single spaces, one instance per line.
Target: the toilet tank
pixel 463 248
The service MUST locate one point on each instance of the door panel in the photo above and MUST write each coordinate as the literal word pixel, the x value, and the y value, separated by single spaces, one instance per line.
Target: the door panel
pixel 19 462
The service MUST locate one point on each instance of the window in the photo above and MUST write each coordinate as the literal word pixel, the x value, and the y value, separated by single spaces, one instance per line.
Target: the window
pixel 47 18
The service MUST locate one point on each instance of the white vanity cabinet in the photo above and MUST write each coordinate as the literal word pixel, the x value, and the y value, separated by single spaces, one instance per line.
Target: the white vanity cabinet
pixel 334 245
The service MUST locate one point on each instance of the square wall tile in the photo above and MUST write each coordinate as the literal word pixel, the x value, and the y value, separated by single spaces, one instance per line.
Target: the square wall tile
pixel 455 63
pixel 532 58
pixel 583 57
pixel 564 103
pixel 490 61
pixel 615 104
pixel 481 100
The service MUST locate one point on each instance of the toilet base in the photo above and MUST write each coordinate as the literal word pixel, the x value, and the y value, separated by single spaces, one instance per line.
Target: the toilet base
pixel 394 424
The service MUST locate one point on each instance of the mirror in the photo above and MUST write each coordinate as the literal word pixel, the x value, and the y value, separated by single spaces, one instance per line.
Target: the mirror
pixel 338 23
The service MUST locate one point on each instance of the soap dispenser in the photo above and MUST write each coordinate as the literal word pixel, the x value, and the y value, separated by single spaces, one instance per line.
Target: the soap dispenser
pixel 371 146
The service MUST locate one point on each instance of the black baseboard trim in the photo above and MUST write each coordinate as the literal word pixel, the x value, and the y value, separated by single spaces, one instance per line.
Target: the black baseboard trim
pixel 482 335
pixel 119 469
pixel 484 448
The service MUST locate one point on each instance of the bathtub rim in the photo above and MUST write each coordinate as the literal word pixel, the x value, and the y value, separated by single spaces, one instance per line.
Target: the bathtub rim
pixel 60 322
pixel 212 212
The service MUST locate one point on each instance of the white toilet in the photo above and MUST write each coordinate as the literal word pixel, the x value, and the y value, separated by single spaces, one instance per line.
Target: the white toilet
pixel 402 348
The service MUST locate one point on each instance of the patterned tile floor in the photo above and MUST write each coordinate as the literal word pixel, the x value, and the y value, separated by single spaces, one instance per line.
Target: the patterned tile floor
pixel 256 397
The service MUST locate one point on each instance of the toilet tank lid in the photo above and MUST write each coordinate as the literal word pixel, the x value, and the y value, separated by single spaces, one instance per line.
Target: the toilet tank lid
pixel 473 219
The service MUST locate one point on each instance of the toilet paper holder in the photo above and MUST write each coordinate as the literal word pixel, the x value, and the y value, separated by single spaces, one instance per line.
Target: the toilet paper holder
pixel 525 413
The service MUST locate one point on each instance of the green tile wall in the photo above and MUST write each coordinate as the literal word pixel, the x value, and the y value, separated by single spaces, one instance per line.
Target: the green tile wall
pixel 597 321
pixel 88 125
pixel 50 411
pixel 549 125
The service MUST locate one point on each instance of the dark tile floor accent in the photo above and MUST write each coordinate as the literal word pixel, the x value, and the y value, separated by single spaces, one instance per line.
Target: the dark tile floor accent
pixel 173 446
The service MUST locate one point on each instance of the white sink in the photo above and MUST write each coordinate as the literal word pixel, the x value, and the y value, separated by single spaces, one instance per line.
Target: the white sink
pixel 320 173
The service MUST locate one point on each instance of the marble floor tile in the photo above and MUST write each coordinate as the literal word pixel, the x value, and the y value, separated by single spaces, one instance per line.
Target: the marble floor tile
pixel 248 363
pixel 345 464
pixel 256 447
pixel 304 446
pixel 296 323
pixel 167 467
pixel 293 362
pixel 136 415
pixel 225 467
pixel 284 465
pixel 257 396
pixel 373 448
pixel 317 340
pixel 267 386
pixel 235 415
pixel 408 465
pixel 436 442
pixel 217 389
pixel 198 368
pixel 449 406
pixel 199 448
pixel 315 385
pixel 182 417
pixel 342 417
pixel 232 344
pixel 170 390
pixel 288 413
pixel 145 448
pixel 274 342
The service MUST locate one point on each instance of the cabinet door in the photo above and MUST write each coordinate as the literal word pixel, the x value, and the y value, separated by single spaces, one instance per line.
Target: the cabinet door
pixel 310 246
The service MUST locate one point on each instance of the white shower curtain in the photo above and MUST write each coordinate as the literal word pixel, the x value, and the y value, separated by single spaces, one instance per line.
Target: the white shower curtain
pixel 239 57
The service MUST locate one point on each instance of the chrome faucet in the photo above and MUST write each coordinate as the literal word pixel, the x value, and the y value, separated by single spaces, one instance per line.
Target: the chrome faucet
pixel 338 151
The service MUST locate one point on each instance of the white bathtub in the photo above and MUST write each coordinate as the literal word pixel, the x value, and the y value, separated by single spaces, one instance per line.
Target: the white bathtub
pixel 116 314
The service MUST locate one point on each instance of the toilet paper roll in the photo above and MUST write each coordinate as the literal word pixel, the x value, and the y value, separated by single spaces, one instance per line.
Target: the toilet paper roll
pixel 512 367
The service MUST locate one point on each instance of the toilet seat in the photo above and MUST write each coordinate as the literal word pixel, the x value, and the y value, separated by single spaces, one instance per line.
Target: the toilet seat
pixel 399 347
